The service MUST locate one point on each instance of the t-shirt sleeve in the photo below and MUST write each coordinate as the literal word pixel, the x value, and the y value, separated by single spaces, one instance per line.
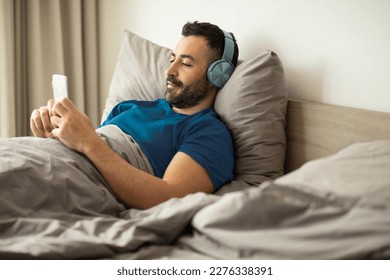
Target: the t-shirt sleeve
pixel 210 144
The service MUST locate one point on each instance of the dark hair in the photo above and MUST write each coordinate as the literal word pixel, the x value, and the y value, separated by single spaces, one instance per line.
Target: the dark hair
pixel 214 37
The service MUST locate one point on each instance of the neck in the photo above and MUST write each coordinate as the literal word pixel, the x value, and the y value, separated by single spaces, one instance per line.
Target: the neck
pixel 205 104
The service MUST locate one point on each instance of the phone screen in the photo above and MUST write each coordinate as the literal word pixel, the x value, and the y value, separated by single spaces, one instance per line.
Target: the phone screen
pixel 60 86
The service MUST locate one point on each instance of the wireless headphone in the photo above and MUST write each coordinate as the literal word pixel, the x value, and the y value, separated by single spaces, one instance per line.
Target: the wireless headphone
pixel 220 71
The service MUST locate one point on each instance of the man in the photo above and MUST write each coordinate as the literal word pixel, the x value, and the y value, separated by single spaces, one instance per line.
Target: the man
pixel 189 148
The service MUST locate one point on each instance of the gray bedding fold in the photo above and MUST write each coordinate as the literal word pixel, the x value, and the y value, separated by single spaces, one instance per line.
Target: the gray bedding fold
pixel 40 177
pixel 281 222
pixel 54 204
pixel 47 190
pixel 125 146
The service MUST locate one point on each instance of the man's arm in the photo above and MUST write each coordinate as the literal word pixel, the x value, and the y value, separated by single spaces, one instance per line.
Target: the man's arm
pixel 133 187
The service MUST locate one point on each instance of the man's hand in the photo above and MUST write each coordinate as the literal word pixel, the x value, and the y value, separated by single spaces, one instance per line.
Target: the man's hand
pixel 72 127
pixel 40 123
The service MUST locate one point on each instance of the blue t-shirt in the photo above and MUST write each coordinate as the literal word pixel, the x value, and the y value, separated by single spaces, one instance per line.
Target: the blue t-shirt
pixel 161 133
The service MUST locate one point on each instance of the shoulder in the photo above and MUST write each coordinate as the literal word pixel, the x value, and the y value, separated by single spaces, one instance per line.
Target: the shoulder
pixel 208 119
pixel 210 144
pixel 207 130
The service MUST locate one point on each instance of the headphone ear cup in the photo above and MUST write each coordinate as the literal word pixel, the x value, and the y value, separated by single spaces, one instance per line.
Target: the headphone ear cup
pixel 219 72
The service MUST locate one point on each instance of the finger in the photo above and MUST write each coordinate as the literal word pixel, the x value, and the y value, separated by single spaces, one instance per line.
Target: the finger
pixel 50 105
pixel 56 121
pixel 36 119
pixel 55 133
pixel 45 119
pixel 36 132
pixel 67 103
pixel 59 109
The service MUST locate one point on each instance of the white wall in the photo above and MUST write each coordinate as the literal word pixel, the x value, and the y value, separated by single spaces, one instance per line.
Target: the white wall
pixel 334 51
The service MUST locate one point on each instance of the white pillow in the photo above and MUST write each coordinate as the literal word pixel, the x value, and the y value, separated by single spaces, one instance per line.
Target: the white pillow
pixel 139 73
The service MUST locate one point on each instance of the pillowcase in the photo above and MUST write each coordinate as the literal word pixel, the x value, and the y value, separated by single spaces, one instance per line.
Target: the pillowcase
pixel 139 73
pixel 252 104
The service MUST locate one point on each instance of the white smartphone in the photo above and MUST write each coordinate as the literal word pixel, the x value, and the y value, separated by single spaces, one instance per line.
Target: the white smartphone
pixel 60 86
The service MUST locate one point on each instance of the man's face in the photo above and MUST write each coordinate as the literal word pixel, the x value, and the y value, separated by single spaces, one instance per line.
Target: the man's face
pixel 187 83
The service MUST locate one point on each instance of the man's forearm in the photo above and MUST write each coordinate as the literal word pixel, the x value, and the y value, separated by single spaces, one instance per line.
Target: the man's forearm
pixel 134 187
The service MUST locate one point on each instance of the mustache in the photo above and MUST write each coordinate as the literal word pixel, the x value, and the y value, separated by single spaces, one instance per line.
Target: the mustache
pixel 174 81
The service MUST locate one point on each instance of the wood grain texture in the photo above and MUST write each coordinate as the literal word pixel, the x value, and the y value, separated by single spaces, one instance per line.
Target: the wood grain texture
pixel 316 130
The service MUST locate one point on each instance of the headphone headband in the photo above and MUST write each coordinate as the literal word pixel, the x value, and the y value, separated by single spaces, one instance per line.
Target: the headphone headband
pixel 228 51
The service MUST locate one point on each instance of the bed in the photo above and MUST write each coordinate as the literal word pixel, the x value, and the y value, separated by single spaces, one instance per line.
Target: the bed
pixel 312 181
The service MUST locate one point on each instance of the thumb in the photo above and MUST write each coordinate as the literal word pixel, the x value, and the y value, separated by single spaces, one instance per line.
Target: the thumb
pixel 56 133
pixel 56 121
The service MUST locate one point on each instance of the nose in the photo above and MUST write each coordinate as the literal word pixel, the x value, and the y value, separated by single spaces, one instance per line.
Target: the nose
pixel 171 70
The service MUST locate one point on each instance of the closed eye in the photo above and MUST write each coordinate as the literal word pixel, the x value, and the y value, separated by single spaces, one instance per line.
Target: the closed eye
pixel 172 59
pixel 183 58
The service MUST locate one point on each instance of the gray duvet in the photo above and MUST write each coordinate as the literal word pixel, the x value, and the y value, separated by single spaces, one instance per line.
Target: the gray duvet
pixel 55 205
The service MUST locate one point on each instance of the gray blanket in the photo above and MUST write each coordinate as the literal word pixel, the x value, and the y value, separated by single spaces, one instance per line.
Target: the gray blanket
pixel 55 205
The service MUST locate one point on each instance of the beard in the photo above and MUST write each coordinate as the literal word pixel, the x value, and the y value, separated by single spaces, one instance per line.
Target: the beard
pixel 186 96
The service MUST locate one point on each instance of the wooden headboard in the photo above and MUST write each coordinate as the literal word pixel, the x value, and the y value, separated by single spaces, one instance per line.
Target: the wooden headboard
pixel 316 130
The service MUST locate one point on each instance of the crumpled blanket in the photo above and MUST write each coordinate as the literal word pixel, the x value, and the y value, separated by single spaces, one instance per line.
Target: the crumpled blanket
pixel 55 205
pixel 47 189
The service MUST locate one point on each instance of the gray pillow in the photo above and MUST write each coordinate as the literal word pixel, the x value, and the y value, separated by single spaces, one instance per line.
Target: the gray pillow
pixel 252 104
